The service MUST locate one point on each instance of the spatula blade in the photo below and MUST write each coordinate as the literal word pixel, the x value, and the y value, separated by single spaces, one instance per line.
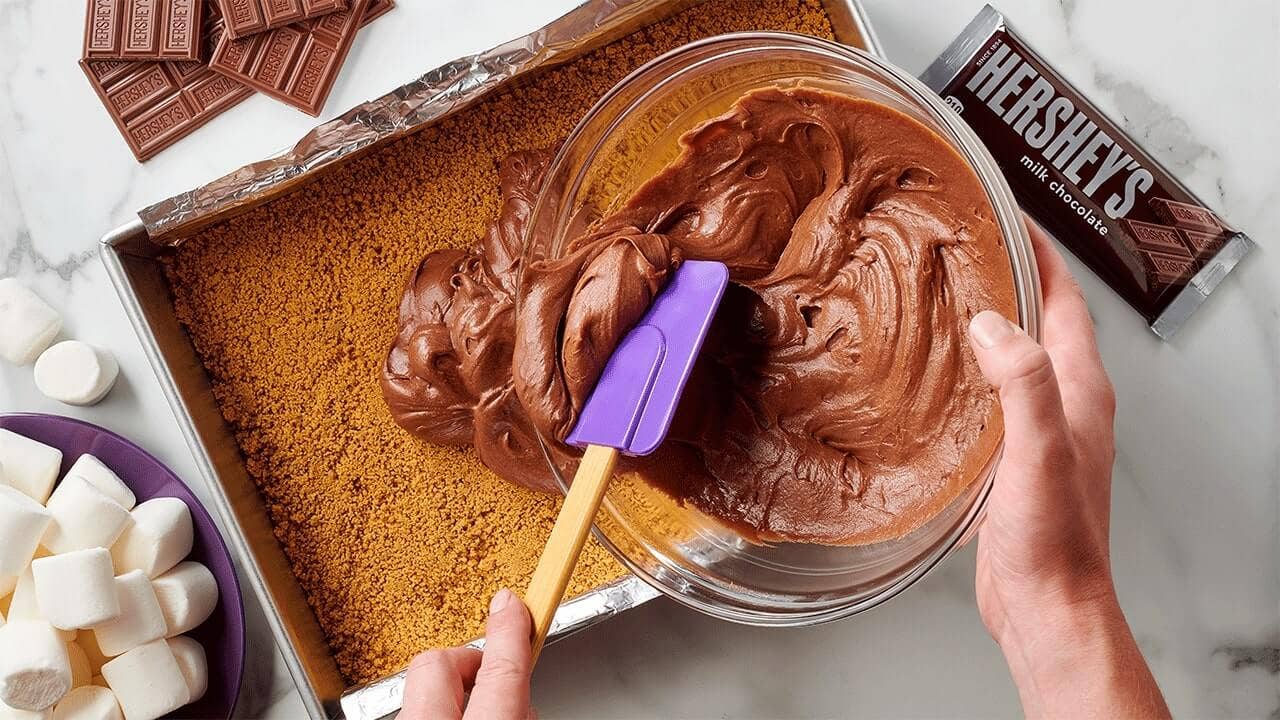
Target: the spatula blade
pixel 635 399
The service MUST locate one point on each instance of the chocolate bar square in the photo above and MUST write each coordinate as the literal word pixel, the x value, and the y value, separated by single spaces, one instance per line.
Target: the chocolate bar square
pixel 1203 243
pixel 143 30
pixel 156 103
pixel 1186 216
pixel 1159 238
pixel 1166 269
pixel 249 17
pixel 296 64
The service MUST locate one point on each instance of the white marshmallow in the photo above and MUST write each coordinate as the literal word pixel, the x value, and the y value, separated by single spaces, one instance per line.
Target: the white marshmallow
pixel 7 583
pixel 88 643
pixel 187 595
pixel 80 670
pixel 83 517
pixel 76 373
pixel 29 466
pixel 159 538
pixel 8 713
pixel 88 703
pixel 34 669
pixel 100 476
pixel 193 663
pixel 27 323
pixel 140 620
pixel 76 589
pixel 147 681
pixel 24 605
pixel 23 522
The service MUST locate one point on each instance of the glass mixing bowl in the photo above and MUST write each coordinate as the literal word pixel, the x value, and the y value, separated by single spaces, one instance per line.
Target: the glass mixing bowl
pixel 628 137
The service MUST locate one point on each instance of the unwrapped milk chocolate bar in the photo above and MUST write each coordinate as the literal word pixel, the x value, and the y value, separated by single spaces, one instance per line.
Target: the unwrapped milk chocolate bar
pixel 1083 179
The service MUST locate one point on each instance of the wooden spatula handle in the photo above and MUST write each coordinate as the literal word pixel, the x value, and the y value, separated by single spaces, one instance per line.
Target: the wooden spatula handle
pixel 550 579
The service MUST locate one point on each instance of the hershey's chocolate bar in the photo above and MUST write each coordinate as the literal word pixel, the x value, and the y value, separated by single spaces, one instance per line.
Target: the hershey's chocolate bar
pixel 143 30
pixel 246 17
pixel 157 103
pixel 1083 179
pixel 296 64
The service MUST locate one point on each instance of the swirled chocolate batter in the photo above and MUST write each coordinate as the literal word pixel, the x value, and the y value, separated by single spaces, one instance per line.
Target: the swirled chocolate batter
pixel 836 400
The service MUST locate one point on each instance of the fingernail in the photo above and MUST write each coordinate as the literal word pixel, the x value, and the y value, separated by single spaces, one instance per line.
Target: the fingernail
pixel 988 328
pixel 501 601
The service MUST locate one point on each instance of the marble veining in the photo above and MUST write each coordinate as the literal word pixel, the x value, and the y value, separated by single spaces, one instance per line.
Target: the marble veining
pixel 1154 125
pixel 1266 658
pixel 1196 520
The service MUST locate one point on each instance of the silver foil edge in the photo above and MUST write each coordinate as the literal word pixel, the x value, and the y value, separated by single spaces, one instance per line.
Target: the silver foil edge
pixel 382 698
pixel 436 94
pixel 968 43
pixel 401 112
pixel 1197 290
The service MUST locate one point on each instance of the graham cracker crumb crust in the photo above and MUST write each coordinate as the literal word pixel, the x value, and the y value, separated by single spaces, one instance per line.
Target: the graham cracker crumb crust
pixel 397 544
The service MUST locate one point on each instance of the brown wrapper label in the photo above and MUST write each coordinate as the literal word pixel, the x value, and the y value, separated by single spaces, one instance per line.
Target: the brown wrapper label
pixel 1083 179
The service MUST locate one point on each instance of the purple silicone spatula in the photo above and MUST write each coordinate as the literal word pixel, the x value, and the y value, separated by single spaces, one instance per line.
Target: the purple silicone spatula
pixel 629 411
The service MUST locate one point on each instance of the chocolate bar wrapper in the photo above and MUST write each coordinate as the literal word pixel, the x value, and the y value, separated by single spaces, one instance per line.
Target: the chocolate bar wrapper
pixel 1083 179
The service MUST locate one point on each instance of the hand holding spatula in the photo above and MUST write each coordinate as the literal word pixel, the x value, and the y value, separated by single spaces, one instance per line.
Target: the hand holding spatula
pixel 629 411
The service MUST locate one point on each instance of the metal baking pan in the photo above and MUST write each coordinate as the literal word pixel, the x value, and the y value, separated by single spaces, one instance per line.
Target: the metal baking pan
pixel 130 253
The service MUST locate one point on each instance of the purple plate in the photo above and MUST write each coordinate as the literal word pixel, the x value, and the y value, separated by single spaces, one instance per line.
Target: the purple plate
pixel 222 635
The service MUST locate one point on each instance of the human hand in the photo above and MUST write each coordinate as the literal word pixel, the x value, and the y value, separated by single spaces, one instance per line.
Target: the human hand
pixel 496 680
pixel 1044 585
pixel 1045 537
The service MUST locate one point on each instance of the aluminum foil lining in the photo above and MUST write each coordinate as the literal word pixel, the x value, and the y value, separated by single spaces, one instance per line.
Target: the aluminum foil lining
pixel 381 698
pixel 407 109
pixel 400 112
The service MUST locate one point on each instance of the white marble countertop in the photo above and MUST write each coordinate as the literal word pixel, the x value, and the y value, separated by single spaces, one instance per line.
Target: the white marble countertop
pixel 1197 480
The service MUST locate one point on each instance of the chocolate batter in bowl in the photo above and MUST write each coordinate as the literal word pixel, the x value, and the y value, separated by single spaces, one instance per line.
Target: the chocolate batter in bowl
pixel 836 441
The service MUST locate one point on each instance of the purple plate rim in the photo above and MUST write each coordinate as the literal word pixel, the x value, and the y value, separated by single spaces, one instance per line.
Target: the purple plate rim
pixel 198 508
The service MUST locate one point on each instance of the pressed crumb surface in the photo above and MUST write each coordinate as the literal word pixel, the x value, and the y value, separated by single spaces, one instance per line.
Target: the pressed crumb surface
pixel 397 544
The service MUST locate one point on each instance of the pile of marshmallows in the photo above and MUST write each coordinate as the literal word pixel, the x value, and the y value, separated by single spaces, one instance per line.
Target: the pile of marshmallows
pixel 71 371
pixel 98 593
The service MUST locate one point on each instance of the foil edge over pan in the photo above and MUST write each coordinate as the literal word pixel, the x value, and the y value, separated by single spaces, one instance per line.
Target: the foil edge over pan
pixel 403 111
pixel 383 697
pixel 410 107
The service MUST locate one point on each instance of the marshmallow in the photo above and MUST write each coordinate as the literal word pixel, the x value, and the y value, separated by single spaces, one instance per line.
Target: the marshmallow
pixel 80 670
pixel 34 669
pixel 76 373
pixel 76 589
pixel 88 643
pixel 24 605
pixel 100 476
pixel 83 517
pixel 147 681
pixel 99 681
pixel 88 703
pixel 140 620
pixel 160 537
pixel 29 466
pixel 27 323
pixel 23 522
pixel 7 582
pixel 187 595
pixel 193 663
pixel 8 713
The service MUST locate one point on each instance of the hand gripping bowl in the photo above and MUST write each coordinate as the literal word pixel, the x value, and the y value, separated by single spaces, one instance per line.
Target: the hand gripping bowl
pixel 628 137
pixel 223 634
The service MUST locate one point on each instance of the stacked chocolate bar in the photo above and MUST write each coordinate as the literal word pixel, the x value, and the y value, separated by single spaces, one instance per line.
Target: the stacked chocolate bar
pixel 165 67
